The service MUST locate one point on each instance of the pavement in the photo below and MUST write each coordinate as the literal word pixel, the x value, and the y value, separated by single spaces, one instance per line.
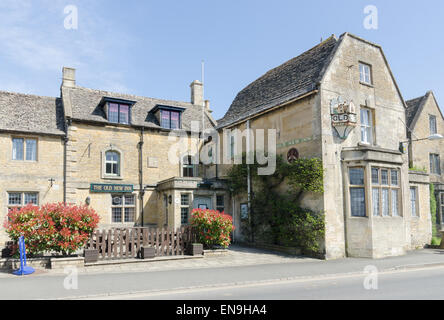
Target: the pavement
pixel 241 267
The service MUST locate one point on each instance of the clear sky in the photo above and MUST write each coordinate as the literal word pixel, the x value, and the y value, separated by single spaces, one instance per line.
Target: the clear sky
pixel 155 48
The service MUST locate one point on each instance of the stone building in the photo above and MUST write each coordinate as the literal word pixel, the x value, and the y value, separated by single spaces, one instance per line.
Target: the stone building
pixel 108 150
pixel 340 102
pixel 425 119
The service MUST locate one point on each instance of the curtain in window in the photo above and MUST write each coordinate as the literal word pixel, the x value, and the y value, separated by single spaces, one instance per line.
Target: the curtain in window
pixel 31 150
pixel 357 197
pixel 113 113
pixel 413 201
pixel 17 149
pixel 375 200
pixel 385 202
pixel 395 209
pixel 124 114
pixel 165 119
pixel 174 120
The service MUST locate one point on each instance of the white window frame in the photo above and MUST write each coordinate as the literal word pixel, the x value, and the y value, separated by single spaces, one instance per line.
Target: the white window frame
pixel 22 199
pixel 365 73
pixel 415 212
pixel 186 206
pixel 106 176
pixel 367 127
pixel 432 124
pixel 24 150
pixel 389 188
pixel 123 205
pixel 360 186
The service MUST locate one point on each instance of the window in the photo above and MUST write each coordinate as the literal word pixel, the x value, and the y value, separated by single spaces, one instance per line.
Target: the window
pixel 20 199
pixel 118 113
pixel 435 164
pixel 442 204
pixel 385 192
pixel 413 201
pixel 123 208
pixel 184 208
pixel 220 203
pixel 366 126
pixel 188 168
pixel 24 149
pixel 357 192
pixel 170 119
pixel 112 163
pixel 232 146
pixel 365 73
pixel 432 123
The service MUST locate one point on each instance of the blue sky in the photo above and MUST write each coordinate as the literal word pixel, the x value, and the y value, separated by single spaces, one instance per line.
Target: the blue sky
pixel 155 48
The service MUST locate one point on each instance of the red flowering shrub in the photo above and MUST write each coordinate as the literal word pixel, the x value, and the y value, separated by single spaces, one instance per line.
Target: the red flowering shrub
pixel 52 227
pixel 212 227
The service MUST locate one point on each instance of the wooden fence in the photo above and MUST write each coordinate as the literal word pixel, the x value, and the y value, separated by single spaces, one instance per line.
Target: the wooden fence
pixel 125 243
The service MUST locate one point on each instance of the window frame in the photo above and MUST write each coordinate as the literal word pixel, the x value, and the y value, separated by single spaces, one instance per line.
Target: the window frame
pixel 123 206
pixel 218 205
pixel 119 105
pixel 435 131
pixel 368 127
pixel 435 164
pixel 357 186
pixel 105 175
pixel 189 166
pixel 390 187
pixel 186 207
pixel 414 213
pixel 22 199
pixel 179 113
pixel 363 73
pixel 24 151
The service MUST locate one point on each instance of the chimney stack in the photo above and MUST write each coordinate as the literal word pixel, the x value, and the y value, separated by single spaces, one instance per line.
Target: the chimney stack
pixel 207 106
pixel 69 77
pixel 197 93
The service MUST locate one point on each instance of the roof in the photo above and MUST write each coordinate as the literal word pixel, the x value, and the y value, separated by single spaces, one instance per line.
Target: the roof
pixel 415 107
pixel 290 80
pixel 84 105
pixel 31 114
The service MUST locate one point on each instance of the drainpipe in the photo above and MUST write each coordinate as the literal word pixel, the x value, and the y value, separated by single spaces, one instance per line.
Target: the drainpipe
pixel 142 190
pixel 65 146
pixel 249 180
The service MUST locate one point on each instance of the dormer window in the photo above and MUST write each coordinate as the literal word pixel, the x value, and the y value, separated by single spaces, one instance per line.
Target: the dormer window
pixel 117 110
pixel 118 113
pixel 169 117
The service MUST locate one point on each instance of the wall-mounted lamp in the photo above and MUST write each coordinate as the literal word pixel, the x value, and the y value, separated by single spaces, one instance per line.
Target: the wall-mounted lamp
pixel 88 201
pixel 170 199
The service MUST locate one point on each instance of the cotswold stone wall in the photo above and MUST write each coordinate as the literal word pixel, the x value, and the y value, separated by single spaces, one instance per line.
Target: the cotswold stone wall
pixel 30 176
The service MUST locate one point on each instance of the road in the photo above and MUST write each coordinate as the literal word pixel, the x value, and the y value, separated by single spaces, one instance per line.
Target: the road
pixel 427 283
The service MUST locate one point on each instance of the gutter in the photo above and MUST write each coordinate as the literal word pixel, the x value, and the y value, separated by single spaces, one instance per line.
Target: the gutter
pixel 142 190
pixel 270 109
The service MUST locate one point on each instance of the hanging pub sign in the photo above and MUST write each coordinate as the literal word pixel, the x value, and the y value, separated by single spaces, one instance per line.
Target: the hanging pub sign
pixel 343 116
pixel 111 188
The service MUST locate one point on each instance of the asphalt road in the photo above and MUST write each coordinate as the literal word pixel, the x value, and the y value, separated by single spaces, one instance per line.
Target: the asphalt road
pixel 427 283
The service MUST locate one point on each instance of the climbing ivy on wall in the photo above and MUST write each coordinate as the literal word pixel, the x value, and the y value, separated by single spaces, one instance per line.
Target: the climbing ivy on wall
pixel 278 218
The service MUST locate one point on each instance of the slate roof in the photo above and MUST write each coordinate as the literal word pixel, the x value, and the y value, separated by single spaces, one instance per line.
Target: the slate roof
pixel 413 107
pixel 290 80
pixel 31 114
pixel 85 106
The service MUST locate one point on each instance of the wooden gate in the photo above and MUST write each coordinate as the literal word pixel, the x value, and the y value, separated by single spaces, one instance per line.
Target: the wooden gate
pixel 125 243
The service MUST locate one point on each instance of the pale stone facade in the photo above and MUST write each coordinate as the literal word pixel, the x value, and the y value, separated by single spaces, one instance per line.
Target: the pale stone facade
pixel 384 225
pixel 72 143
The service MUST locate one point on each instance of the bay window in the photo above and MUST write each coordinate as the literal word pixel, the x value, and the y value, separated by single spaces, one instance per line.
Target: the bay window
pixel 357 192
pixel 386 192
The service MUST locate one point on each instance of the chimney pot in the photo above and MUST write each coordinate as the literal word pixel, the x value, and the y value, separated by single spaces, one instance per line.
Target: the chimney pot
pixel 69 77
pixel 197 93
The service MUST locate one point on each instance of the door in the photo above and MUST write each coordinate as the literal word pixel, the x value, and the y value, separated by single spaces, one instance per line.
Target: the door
pixel 203 203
